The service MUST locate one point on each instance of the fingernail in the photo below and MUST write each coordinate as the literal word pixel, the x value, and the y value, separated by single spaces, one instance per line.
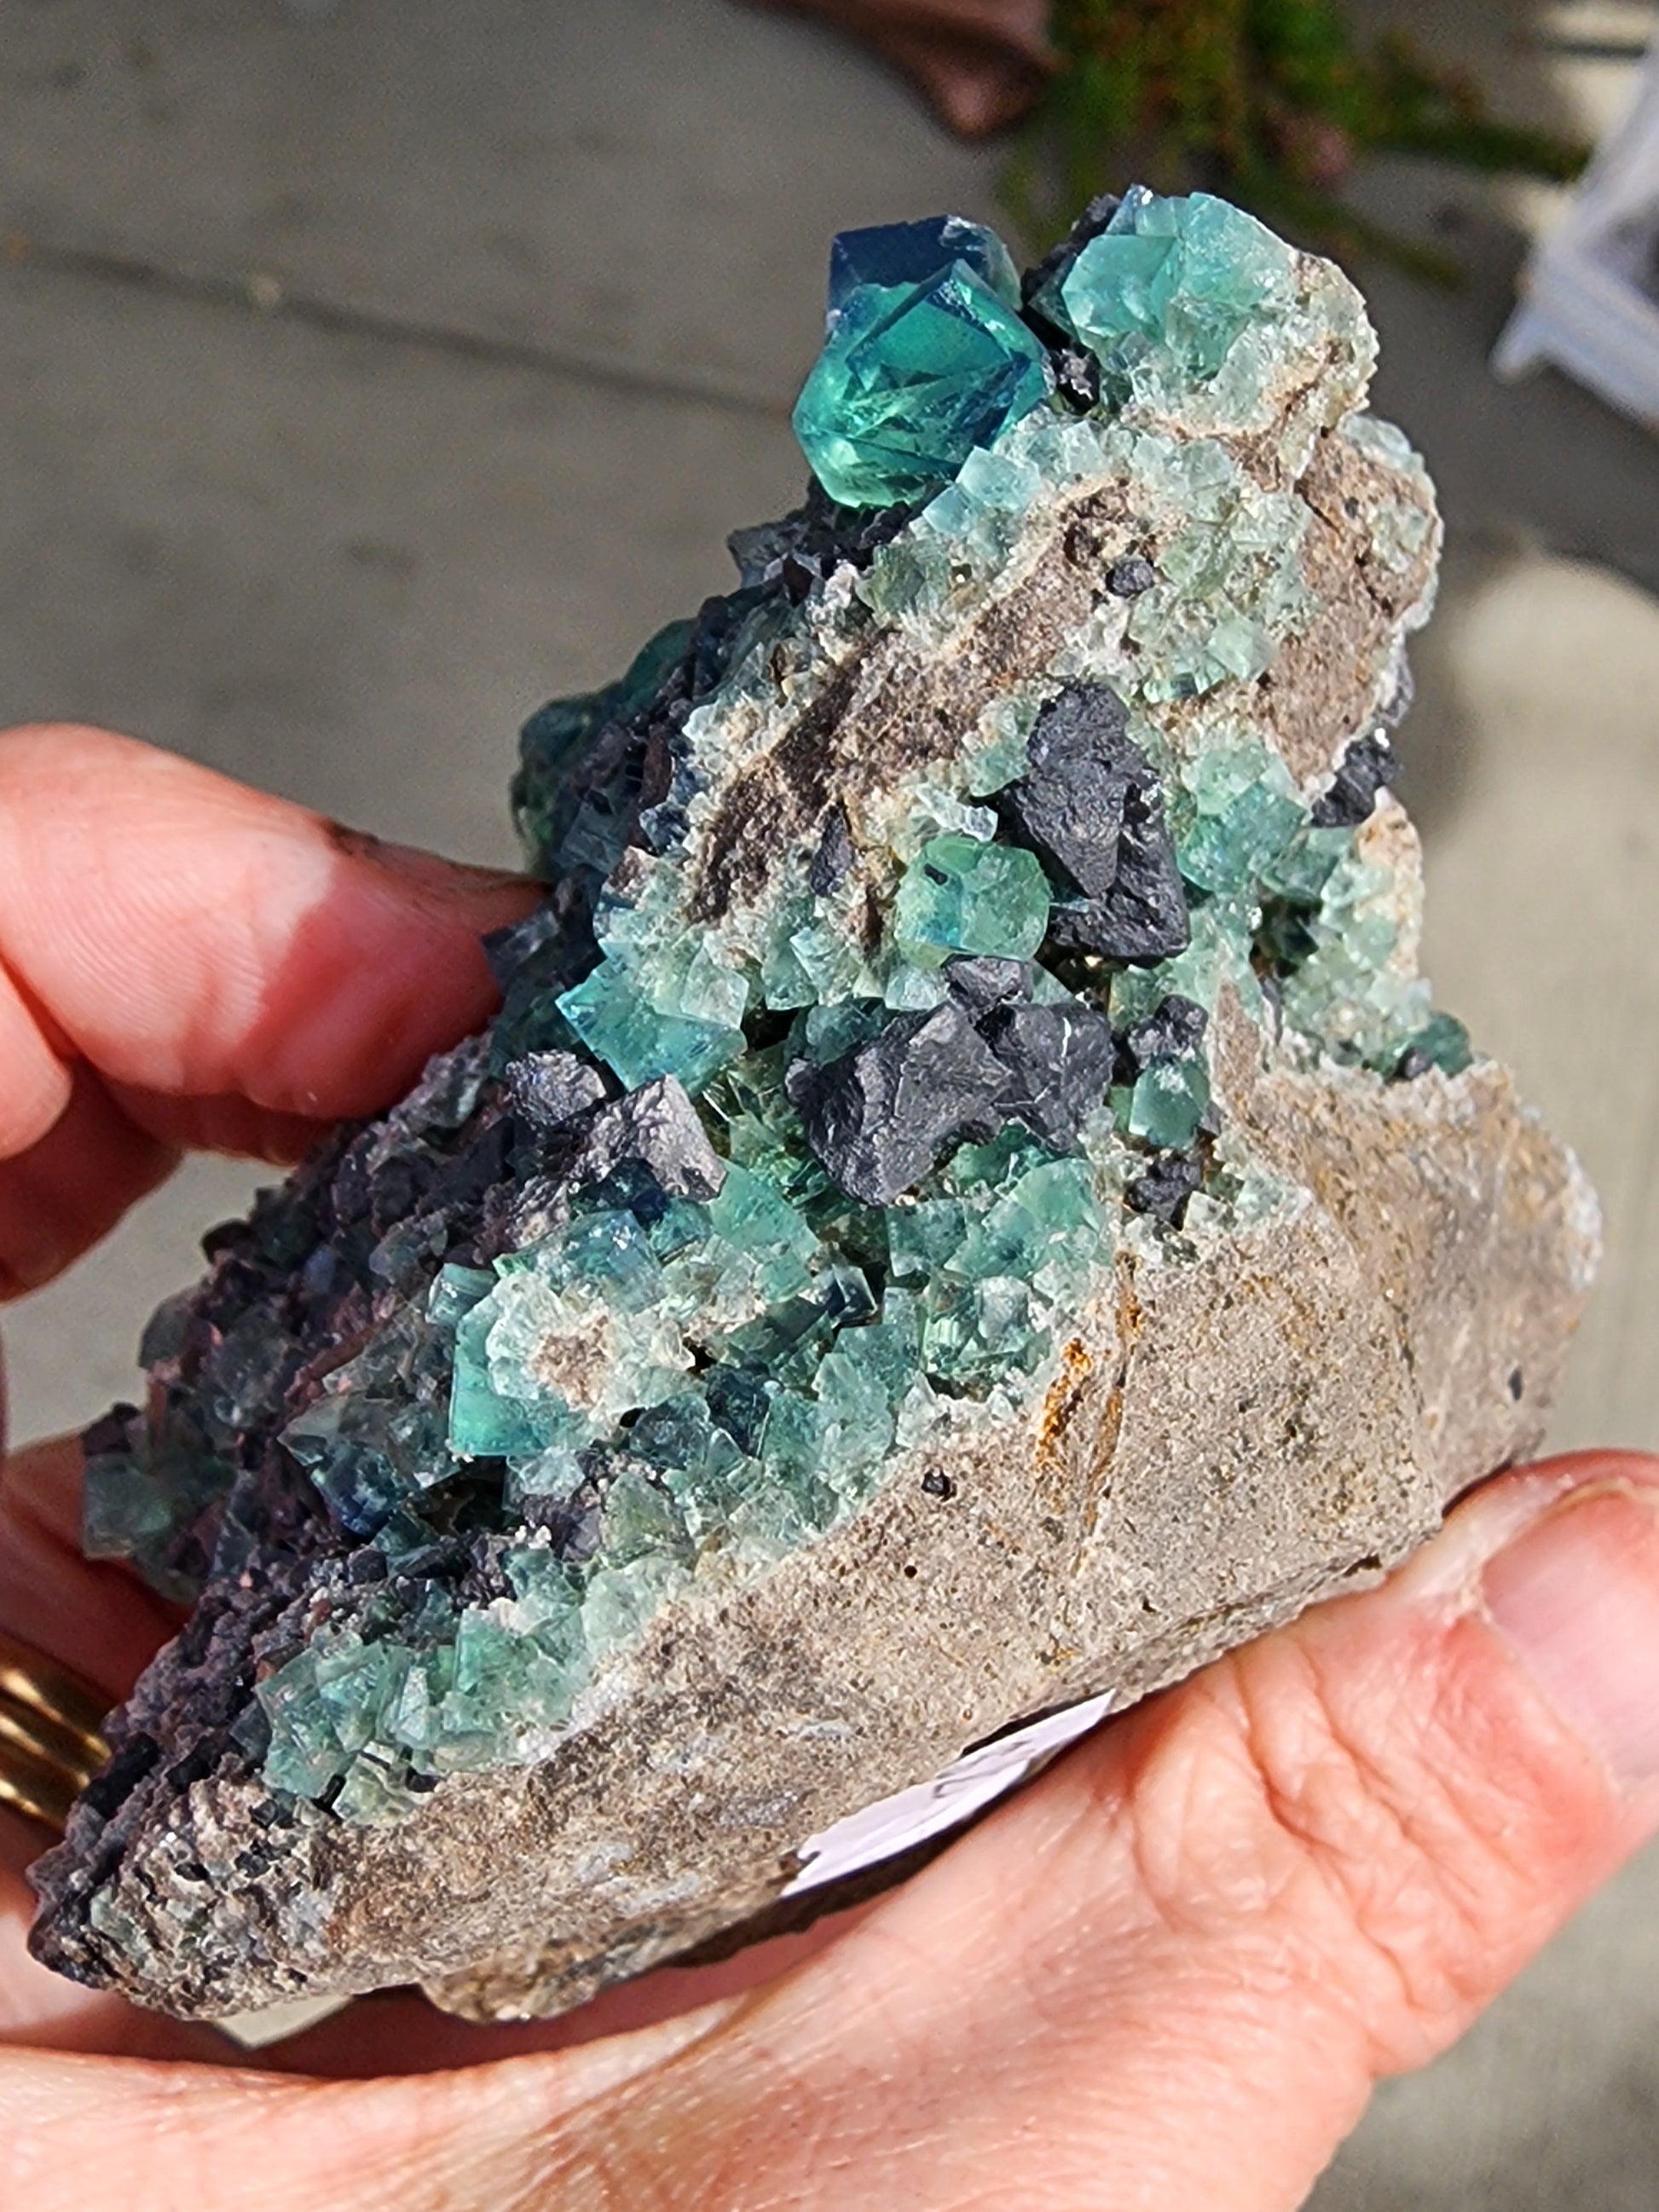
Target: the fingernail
pixel 1576 1593
pixel 429 871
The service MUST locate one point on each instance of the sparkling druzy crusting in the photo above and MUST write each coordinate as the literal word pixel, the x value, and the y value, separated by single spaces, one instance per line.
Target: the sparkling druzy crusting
pixel 900 1258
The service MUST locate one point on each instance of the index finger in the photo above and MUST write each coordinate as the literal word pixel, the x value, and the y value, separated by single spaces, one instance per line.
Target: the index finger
pixel 184 959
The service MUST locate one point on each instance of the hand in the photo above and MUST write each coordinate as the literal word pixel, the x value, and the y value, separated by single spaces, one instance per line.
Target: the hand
pixel 1165 1975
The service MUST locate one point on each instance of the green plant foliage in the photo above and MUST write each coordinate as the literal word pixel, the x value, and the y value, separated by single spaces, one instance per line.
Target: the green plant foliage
pixel 1267 101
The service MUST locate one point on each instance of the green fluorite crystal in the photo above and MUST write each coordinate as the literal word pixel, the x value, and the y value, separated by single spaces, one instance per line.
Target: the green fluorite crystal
pixel 1442 1043
pixel 618 1019
pixel 679 1016
pixel 1189 275
pixel 1168 1104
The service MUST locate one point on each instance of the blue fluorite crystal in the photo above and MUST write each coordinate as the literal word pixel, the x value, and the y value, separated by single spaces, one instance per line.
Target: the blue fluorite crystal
pixel 900 254
pixel 924 361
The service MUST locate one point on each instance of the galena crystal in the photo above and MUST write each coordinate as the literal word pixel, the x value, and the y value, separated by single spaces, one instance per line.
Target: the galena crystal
pixel 967 1202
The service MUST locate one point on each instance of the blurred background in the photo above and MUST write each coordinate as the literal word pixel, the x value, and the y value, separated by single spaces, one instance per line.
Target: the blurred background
pixel 371 370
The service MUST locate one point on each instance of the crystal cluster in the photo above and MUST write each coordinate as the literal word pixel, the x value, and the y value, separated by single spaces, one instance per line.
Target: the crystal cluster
pixel 867 1052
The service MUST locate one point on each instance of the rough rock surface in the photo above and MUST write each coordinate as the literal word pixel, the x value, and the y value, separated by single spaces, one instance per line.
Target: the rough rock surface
pixel 967 1205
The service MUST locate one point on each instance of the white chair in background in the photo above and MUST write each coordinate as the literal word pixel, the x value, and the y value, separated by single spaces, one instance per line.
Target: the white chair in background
pixel 1590 296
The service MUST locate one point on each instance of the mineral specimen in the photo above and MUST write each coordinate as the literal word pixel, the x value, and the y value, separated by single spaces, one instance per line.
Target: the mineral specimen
pixel 966 1205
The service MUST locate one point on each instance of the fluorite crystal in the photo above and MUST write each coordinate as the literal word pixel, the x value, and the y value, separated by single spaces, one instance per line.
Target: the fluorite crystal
pixel 962 894
pixel 1173 281
pixel 925 359
pixel 894 254
pixel 967 1203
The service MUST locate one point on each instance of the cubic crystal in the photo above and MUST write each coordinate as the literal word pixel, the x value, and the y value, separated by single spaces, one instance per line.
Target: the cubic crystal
pixel 1188 275
pixel 1169 1103
pixel 895 254
pixel 912 378
pixel 960 895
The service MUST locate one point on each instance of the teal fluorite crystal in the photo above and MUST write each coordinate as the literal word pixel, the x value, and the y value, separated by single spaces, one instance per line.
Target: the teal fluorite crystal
pixel 622 1017
pixel 1167 1104
pixel 1442 1043
pixel 912 379
pixel 1241 812
pixel 961 895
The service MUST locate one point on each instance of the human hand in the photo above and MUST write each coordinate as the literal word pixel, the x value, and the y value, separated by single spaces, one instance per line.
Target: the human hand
pixel 1166 1974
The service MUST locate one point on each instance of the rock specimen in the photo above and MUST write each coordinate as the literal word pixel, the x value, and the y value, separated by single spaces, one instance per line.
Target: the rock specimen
pixel 966 1204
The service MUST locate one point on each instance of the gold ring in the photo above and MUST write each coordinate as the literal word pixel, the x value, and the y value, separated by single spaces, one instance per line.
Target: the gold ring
pixel 51 1740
